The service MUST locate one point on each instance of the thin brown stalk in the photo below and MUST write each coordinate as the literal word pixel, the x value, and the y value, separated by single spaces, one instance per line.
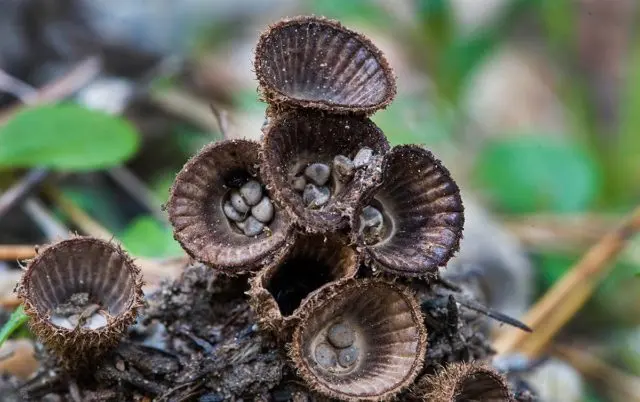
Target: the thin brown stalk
pixel 569 294
pixel 21 189
pixel 187 106
pixel 77 78
pixel 80 218
pixel 16 252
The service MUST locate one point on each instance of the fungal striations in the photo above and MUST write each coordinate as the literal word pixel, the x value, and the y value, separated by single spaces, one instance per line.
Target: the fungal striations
pixel 317 63
pixel 461 382
pixel 360 339
pixel 278 293
pixel 222 214
pixel 81 295
pixel 309 160
pixel 412 223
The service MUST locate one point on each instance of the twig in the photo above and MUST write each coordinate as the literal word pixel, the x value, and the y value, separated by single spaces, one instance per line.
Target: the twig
pixel 187 106
pixel 20 190
pixel 76 79
pixel 560 232
pixel 154 271
pixel 81 219
pixel 52 228
pixel 568 295
pixel 16 87
pixel 625 386
pixel 10 252
pixel 138 190
pixel 222 118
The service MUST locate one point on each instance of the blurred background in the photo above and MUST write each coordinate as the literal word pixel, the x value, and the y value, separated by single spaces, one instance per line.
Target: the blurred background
pixel 534 105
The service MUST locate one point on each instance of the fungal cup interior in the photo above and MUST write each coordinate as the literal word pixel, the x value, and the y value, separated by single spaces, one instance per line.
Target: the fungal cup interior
pixel 312 264
pixel 295 142
pixel 385 348
pixel 208 224
pixel 320 62
pixel 82 288
pixel 482 387
pixel 422 210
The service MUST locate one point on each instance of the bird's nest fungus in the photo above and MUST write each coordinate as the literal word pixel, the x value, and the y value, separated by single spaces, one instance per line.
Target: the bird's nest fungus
pixel 334 237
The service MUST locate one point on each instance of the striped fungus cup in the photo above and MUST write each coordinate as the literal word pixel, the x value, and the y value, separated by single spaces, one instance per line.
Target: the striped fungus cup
pixel 359 339
pixel 318 166
pixel 278 293
pixel 313 62
pixel 81 295
pixel 222 213
pixel 462 382
pixel 412 223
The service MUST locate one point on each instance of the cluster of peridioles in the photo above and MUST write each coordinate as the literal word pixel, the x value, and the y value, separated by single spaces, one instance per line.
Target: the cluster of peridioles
pixel 340 199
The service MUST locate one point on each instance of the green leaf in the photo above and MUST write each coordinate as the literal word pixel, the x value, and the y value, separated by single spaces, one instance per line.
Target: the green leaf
pixel 146 237
pixel 18 317
pixel 524 174
pixel 411 120
pixel 361 10
pixel 66 137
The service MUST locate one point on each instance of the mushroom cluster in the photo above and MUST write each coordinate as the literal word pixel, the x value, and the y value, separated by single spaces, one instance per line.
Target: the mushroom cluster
pixel 321 196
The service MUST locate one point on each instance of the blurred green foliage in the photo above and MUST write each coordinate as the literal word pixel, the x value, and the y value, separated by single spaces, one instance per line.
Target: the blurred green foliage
pixel 15 322
pixel 529 173
pixel 146 237
pixel 66 137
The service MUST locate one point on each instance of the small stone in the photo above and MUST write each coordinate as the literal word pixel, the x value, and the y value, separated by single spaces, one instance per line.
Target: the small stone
pixel 343 168
pixel 96 321
pixel 325 355
pixel 318 173
pixel 252 227
pixel 251 192
pixel 231 213
pixel 263 211
pixel 299 183
pixel 61 321
pixel 120 365
pixel 371 217
pixel 348 356
pixel 74 319
pixel 238 203
pixel 314 196
pixel 341 335
pixel 363 157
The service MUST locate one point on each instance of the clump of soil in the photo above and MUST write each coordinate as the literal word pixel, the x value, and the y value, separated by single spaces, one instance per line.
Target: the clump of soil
pixel 198 340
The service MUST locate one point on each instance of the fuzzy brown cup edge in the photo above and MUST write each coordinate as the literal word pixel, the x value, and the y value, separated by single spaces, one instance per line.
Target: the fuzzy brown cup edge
pixel 277 69
pixel 423 210
pixel 295 139
pixel 397 348
pixel 278 292
pixel 200 225
pixel 72 266
pixel 460 382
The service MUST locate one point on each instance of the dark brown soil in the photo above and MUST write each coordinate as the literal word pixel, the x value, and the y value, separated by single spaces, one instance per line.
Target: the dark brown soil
pixel 198 341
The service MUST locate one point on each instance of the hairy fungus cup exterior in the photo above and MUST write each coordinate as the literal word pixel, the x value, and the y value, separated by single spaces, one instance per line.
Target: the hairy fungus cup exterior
pixel 461 382
pixel 313 62
pixel 81 295
pixel 213 216
pixel 296 141
pixel 278 292
pixel 360 339
pixel 422 215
